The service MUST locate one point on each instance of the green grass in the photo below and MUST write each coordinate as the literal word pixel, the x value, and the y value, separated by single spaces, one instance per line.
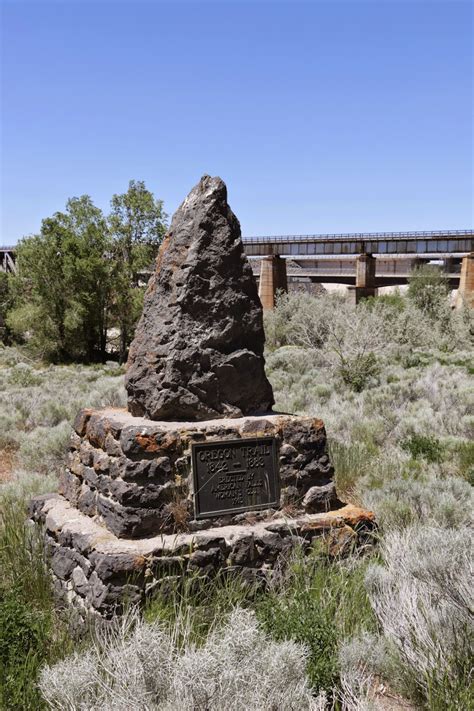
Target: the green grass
pixel 320 603
pixel 32 631
pixel 316 601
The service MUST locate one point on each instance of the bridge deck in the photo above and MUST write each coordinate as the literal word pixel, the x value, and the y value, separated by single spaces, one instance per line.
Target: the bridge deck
pixel 447 242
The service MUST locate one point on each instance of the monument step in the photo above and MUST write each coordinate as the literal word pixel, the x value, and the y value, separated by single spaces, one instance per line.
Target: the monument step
pixel 96 571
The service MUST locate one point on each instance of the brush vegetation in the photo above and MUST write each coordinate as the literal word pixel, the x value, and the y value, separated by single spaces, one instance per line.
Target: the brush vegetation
pixel 392 379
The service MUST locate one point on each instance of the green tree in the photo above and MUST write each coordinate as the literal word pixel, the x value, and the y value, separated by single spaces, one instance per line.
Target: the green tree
pixel 62 290
pixel 89 272
pixel 6 303
pixel 137 225
pixel 428 289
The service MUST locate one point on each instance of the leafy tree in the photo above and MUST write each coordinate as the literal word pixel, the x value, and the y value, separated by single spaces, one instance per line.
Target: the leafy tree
pixel 89 273
pixel 428 289
pixel 83 275
pixel 137 225
pixel 62 289
pixel 6 300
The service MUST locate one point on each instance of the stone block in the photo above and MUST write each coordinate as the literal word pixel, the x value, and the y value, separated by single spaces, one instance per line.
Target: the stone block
pixel 320 498
pixel 128 522
pixel 69 485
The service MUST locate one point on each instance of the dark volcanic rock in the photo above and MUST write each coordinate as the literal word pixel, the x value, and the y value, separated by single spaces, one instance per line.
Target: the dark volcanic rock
pixel 198 348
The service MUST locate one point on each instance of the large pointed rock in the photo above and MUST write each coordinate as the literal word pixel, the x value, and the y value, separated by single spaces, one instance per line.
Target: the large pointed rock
pixel 198 348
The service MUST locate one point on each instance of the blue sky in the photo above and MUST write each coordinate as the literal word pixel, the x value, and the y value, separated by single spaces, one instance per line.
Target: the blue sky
pixel 326 116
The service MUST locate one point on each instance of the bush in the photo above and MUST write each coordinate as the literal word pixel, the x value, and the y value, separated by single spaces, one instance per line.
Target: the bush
pixel 404 500
pixel 428 289
pixel 318 604
pixel 142 665
pixel 359 371
pixel 44 450
pixel 422 597
pixel 429 448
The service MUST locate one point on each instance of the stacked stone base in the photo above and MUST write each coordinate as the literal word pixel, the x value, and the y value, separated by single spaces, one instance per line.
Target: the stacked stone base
pixel 97 572
pixel 133 475
pixel 123 525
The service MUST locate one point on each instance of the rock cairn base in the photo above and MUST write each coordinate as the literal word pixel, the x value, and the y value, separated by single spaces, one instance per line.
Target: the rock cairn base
pixel 134 475
pixel 95 571
pixel 123 523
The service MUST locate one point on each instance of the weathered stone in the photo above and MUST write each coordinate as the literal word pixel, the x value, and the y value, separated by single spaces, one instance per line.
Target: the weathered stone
pixel 100 461
pixel 69 485
pixel 119 596
pixel 205 544
pixel 205 560
pixel 87 500
pixel 74 441
pixel 244 552
pixel 290 495
pixel 38 505
pixel 126 522
pixel 287 453
pixel 156 471
pixel 149 444
pixel 304 433
pixel 258 428
pixel 112 446
pixel 90 476
pixel 153 495
pixel 63 562
pixel 80 582
pixel 86 453
pixel 75 464
pixel 340 540
pixel 164 566
pixel 320 498
pixel 81 420
pixel 95 570
pixel 114 567
pixel 97 430
pixel 198 348
pixel 96 591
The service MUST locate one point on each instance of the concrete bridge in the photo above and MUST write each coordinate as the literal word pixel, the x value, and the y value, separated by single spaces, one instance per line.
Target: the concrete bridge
pixel 365 261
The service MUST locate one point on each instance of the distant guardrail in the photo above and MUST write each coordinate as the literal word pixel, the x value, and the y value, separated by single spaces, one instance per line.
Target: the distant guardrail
pixel 358 236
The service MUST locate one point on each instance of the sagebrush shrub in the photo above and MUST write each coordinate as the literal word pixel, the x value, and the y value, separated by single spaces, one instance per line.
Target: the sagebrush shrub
pixel 422 597
pixel 427 498
pixel 139 665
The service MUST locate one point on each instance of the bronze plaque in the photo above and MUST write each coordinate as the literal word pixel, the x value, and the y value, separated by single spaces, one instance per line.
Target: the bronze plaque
pixel 235 475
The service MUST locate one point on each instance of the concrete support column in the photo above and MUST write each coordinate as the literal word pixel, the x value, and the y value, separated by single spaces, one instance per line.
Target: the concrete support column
pixel 465 295
pixel 365 277
pixel 272 278
pixel 448 265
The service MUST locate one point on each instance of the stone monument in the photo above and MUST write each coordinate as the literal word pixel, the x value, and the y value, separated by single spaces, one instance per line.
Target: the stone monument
pixel 199 475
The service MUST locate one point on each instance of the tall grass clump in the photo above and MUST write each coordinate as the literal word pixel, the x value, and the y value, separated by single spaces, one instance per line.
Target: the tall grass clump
pixel 31 631
pixel 319 602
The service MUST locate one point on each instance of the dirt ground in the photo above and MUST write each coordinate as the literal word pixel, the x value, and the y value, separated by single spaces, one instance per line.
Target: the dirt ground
pixel 7 458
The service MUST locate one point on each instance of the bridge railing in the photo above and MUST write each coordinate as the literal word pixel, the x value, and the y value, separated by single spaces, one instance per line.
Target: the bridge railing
pixel 360 236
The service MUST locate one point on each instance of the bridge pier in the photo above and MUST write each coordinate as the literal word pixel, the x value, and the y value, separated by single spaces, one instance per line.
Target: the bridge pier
pixel 465 295
pixel 365 278
pixel 272 279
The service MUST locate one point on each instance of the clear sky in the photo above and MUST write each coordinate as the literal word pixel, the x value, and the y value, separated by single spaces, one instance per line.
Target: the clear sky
pixel 321 116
